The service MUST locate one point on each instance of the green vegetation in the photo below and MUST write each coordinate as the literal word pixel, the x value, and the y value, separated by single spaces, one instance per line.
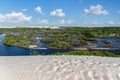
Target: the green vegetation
pixel 62 38
pixel 85 53
pixel 35 53
pixel 118 41
pixel 107 42
pixel 59 46
pixel 93 40
pixel 17 41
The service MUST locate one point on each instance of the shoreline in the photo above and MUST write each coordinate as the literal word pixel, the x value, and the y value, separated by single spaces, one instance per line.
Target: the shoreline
pixel 81 48
pixel 95 48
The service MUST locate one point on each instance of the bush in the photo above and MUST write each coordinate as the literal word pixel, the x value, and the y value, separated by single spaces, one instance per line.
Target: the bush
pixel 94 53
pixel 58 46
pixel 107 42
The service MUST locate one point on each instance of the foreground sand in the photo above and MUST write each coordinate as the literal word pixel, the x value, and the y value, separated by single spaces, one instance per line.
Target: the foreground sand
pixel 59 68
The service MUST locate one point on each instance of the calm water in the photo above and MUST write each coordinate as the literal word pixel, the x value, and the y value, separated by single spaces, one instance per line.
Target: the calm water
pixel 101 43
pixel 16 51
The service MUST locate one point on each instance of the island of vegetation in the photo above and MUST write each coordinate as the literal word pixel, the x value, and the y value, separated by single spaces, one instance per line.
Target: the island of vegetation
pixel 61 38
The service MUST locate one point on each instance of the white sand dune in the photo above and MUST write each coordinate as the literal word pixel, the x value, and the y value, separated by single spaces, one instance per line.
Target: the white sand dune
pixel 59 68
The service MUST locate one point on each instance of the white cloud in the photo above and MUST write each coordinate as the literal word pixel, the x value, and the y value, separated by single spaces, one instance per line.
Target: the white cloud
pixel 111 22
pixel 39 10
pixel 43 21
pixel 57 13
pixel 95 10
pixel 24 10
pixel 94 23
pixel 62 21
pixel 14 17
pixel 69 21
pixel 66 21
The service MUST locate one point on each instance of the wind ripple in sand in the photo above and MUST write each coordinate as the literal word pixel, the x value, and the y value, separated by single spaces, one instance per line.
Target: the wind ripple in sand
pixel 59 68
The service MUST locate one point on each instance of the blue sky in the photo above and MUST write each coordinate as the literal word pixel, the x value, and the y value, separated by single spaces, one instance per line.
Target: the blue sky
pixel 60 12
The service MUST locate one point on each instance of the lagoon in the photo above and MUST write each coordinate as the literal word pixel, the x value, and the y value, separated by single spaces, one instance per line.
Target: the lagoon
pixel 17 51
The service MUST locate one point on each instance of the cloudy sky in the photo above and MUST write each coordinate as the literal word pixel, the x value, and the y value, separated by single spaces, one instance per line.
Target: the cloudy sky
pixel 60 12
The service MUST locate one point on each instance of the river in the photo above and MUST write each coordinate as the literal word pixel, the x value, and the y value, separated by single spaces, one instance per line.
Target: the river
pixel 17 51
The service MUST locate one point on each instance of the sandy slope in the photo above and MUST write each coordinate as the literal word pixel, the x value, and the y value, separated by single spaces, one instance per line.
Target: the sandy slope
pixel 59 68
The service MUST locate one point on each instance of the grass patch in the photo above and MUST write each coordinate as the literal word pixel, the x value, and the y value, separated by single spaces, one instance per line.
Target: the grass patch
pixel 85 53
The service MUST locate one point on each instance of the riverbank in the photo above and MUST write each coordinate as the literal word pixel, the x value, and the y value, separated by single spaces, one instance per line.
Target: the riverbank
pixel 94 48
pixel 59 68
pixel 49 41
